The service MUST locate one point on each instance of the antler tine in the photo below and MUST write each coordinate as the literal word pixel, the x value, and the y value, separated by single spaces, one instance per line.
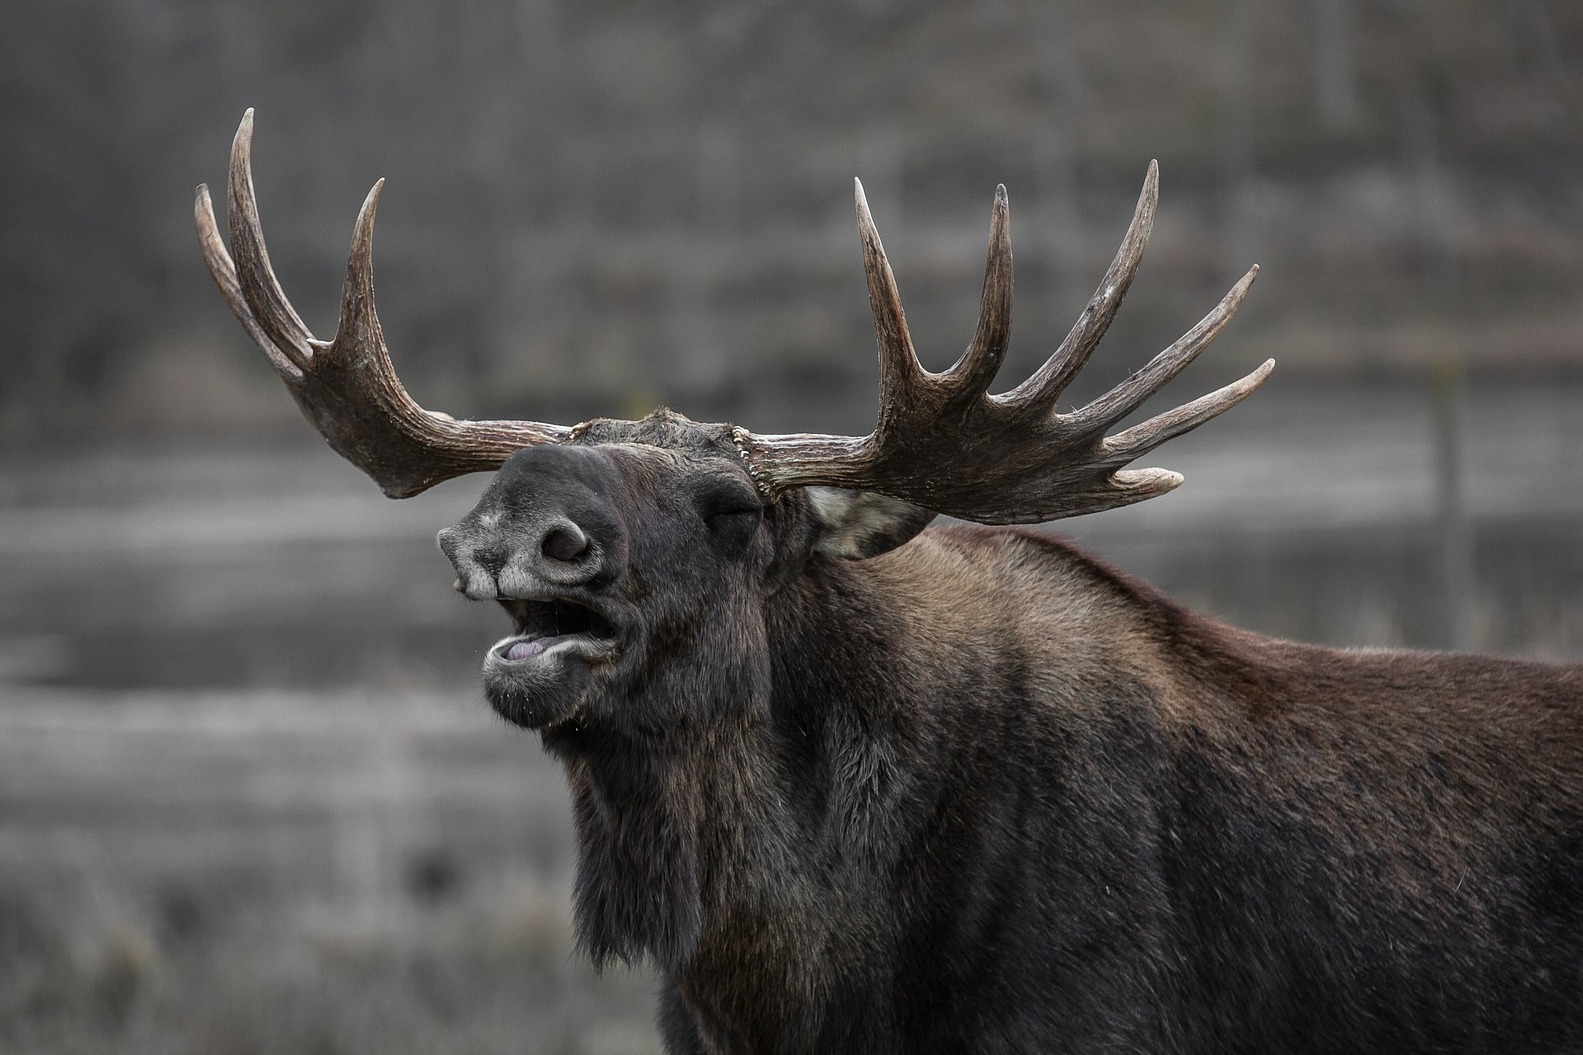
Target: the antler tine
pixel 1042 389
pixel 358 324
pixel 899 371
pixel 1126 487
pixel 975 371
pixel 1143 438
pixel 1135 390
pixel 347 387
pixel 270 309
pixel 223 271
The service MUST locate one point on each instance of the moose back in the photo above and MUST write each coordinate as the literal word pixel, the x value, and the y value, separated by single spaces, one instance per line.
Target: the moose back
pixel 856 784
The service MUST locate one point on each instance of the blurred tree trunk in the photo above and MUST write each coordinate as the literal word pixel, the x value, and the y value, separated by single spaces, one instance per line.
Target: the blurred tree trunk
pixel 1236 133
pixel 1335 91
pixel 1457 579
pixel 1059 83
pixel 879 166
pixel 1436 216
pixel 719 176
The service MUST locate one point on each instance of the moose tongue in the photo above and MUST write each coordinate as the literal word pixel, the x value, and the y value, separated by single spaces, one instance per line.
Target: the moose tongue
pixel 525 649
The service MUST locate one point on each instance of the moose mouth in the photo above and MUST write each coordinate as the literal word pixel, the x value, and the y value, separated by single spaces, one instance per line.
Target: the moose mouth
pixel 540 677
pixel 554 624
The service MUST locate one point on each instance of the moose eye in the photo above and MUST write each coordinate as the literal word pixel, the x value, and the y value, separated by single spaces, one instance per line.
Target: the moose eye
pixel 728 507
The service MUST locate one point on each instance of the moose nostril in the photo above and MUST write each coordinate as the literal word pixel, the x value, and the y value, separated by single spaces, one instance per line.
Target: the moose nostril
pixel 564 543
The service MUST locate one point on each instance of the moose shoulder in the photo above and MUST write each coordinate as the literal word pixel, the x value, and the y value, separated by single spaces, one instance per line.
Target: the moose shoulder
pixel 857 785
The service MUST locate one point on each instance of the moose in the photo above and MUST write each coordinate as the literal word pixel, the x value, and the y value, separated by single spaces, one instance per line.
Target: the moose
pixel 853 783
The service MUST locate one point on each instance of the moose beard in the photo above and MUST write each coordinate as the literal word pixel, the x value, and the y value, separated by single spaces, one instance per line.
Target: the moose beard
pixel 665 801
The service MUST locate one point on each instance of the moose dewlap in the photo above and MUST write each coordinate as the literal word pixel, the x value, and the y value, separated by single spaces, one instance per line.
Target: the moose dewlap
pixel 854 785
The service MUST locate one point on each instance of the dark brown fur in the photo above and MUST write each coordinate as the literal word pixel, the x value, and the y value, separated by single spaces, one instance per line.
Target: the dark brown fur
pixel 983 792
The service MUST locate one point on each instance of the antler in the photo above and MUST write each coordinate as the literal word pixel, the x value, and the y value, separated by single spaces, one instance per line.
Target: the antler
pixel 346 386
pixel 941 442
pixel 944 443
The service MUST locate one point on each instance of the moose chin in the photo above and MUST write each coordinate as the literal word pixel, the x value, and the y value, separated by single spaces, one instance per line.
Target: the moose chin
pixel 854 783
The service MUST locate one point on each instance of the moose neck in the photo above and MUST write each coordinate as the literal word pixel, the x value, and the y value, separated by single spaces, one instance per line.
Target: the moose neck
pixel 679 826
pixel 648 811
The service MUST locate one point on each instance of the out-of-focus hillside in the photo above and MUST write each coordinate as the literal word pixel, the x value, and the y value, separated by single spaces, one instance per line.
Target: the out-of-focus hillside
pixel 596 206
pixel 250 801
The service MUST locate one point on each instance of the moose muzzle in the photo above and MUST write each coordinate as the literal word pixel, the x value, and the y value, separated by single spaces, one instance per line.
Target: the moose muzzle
pixel 544 526
pixel 544 541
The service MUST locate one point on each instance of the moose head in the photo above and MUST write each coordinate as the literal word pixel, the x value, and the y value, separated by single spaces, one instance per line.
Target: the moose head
pixel 621 547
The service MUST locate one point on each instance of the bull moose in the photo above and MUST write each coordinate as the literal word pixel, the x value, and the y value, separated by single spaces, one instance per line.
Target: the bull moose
pixel 852 784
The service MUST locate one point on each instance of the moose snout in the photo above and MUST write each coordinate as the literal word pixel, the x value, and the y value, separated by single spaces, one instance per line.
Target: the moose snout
pixel 523 560
pixel 544 524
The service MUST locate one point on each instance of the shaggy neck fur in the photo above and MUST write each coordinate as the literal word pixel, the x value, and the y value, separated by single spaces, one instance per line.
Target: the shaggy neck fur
pixel 694 833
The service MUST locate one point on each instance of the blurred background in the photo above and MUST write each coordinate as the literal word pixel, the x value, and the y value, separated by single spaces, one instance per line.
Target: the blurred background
pixel 250 797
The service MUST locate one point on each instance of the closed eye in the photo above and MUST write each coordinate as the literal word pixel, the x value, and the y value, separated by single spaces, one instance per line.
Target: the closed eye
pixel 733 519
pixel 725 498
pixel 727 505
pixel 734 511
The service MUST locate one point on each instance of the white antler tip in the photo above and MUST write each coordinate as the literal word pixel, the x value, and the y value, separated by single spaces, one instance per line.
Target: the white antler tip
pixel 1149 482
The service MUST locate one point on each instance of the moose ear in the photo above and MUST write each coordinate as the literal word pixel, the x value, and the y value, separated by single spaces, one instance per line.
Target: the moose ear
pixel 861 524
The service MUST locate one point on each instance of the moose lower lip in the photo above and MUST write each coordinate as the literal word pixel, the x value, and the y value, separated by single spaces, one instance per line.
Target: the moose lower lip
pixel 537 680
pixel 529 649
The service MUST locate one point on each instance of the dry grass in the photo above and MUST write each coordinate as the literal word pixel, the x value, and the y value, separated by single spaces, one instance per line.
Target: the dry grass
pixel 264 873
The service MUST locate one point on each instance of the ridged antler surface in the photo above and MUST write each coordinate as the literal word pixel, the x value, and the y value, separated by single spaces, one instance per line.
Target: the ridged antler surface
pixel 944 443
